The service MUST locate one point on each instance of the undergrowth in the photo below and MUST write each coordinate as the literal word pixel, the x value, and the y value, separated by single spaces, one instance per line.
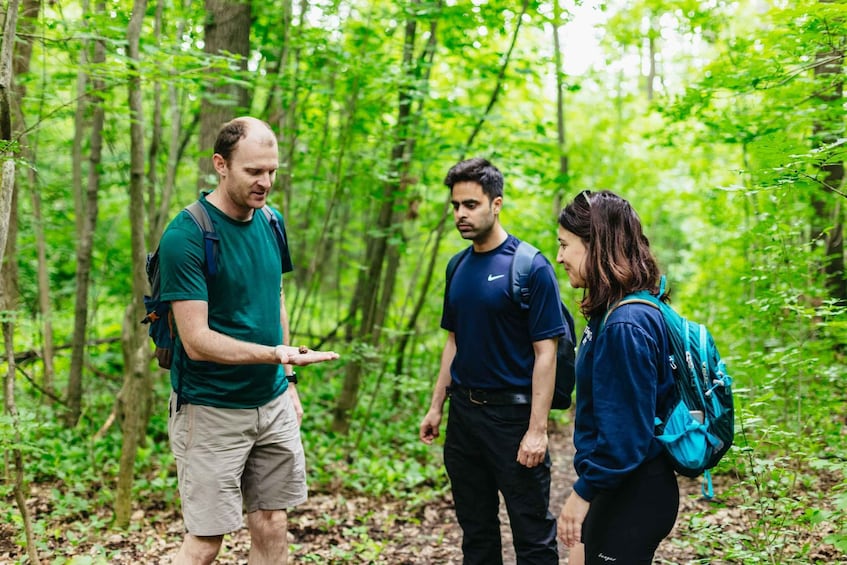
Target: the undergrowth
pixel 782 489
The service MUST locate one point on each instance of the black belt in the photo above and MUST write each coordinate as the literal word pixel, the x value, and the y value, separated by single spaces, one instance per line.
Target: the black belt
pixel 491 397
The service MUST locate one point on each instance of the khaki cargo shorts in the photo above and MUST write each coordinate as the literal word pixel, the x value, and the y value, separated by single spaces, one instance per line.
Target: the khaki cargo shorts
pixel 234 460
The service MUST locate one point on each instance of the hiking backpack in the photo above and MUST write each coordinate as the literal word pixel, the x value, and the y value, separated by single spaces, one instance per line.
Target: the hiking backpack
pixel 700 426
pixel 159 315
pixel 519 274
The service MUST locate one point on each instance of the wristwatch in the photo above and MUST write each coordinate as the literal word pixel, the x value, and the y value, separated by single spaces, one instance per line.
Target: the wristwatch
pixel 292 378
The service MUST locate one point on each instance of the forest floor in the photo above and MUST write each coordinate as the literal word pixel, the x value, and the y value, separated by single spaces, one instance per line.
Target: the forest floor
pixel 333 528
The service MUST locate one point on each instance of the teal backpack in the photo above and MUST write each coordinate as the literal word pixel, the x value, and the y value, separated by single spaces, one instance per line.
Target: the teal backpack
pixel 700 427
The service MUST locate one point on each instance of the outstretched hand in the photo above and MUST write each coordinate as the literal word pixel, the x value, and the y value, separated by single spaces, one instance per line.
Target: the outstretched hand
pixel 300 356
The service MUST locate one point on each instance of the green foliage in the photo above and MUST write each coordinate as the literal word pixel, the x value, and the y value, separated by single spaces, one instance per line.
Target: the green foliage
pixel 382 456
pixel 726 165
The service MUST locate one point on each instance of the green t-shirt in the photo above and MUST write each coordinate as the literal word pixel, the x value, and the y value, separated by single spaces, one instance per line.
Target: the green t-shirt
pixel 244 303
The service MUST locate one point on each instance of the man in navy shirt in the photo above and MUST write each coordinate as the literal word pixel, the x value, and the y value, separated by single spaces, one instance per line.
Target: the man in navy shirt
pixel 498 368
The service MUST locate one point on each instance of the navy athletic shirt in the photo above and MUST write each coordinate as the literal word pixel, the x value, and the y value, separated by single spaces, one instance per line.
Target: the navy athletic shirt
pixel 494 336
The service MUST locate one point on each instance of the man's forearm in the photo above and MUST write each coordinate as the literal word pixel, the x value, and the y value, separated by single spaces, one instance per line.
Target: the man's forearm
pixel 209 345
pixel 439 394
pixel 542 398
pixel 543 384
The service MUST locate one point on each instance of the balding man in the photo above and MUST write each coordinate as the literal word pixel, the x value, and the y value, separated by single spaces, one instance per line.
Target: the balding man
pixel 234 414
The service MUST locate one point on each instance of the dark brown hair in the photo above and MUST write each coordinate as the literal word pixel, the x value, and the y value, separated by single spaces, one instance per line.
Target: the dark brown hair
pixel 618 256
pixel 231 133
pixel 478 170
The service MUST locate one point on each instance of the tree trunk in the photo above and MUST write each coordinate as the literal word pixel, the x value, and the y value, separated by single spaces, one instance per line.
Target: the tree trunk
pixel 10 291
pixel 155 134
pixel 21 489
pixel 442 224
pixel 429 261
pixel 161 215
pixel 371 295
pixel 8 259
pixel 21 65
pixel 312 274
pixel 562 139
pixel 227 29
pixel 44 307
pixel 285 99
pixel 650 79
pixel 828 224
pixel 7 185
pixel 368 293
pixel 135 395
pixel 86 225
pixel 7 148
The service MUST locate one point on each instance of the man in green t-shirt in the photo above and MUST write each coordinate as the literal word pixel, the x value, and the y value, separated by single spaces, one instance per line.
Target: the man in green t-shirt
pixel 234 416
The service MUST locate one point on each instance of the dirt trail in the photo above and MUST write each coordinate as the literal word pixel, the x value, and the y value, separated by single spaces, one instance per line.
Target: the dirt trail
pixel 561 453
pixel 431 538
pixel 332 528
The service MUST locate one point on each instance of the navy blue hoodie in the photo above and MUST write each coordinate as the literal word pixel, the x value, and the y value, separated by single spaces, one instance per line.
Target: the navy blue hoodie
pixel 623 381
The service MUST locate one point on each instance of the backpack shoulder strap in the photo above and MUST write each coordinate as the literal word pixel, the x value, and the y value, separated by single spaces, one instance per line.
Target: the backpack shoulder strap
pixel 200 216
pixel 641 297
pixel 519 273
pixel 281 240
pixel 637 298
pixel 273 220
pixel 198 213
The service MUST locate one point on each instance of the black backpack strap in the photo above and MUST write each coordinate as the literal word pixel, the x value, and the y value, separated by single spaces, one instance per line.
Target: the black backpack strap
pixel 282 241
pixel 200 215
pixel 519 272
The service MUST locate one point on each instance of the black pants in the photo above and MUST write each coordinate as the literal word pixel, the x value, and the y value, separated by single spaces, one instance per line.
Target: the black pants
pixel 625 526
pixel 480 454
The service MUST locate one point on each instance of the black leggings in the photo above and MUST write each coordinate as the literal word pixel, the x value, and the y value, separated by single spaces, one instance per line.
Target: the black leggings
pixel 625 526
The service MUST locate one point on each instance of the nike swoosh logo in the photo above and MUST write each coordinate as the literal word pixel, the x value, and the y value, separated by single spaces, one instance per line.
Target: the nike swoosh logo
pixel 495 277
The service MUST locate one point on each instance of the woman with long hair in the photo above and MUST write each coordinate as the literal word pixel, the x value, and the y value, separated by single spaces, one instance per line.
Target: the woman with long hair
pixel 625 499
